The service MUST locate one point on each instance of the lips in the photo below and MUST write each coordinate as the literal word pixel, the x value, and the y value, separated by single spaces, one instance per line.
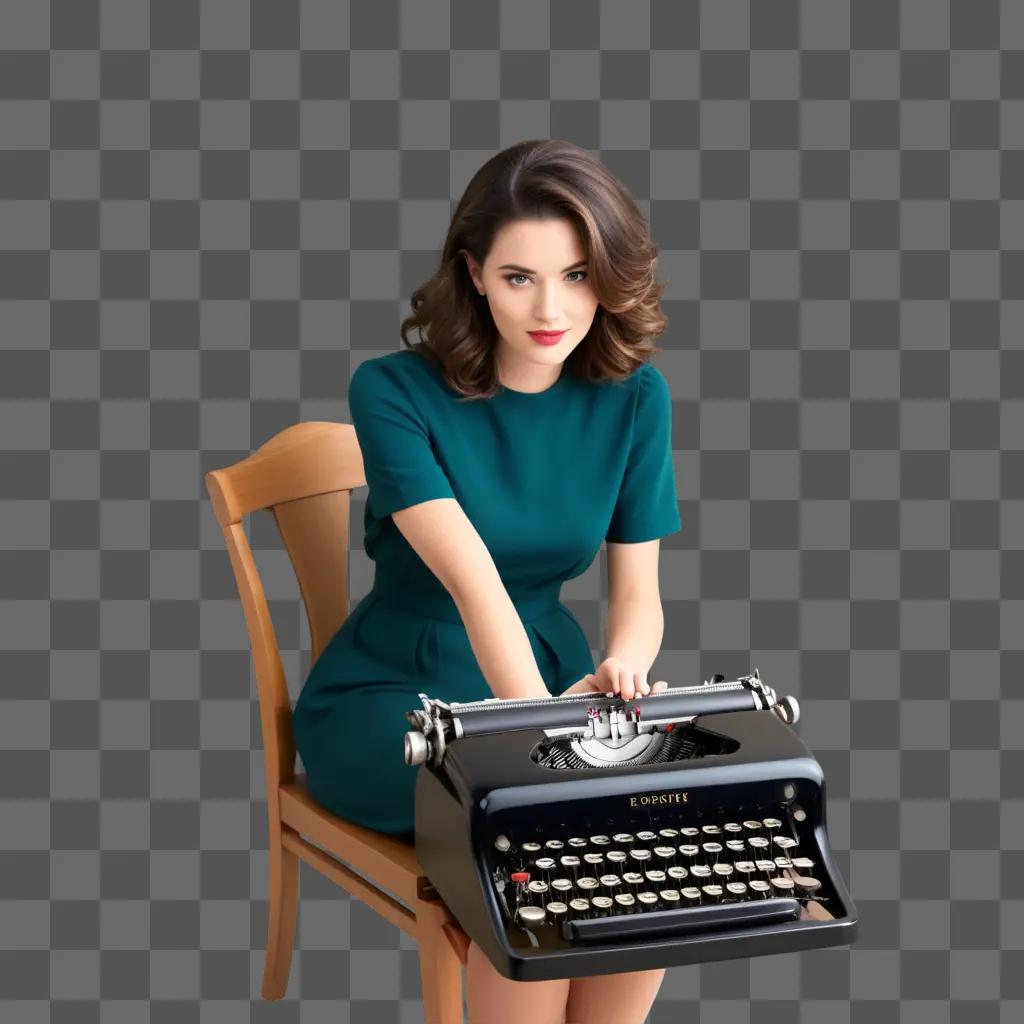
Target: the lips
pixel 546 337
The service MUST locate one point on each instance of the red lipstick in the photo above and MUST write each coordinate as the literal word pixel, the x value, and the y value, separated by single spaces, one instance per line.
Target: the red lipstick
pixel 546 337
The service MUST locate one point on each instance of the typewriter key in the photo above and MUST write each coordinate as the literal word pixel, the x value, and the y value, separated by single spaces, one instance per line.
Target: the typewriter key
pixel 599 841
pixel 639 855
pixel 758 843
pixel 736 890
pixel 770 823
pixel 806 886
pixel 690 831
pixel 556 911
pixel 503 844
pixel 538 890
pixel 561 885
pixel 712 849
pixel 784 842
pixel 733 827
pixel 579 906
pixel 647 900
pixel 759 886
pixel 622 838
pixel 783 863
pixel 602 903
pixel 617 857
pixel 555 845
pixel 625 901
pixel 668 833
pixel 655 877
pixel 700 871
pixel 746 867
pixel 646 837
pixel 632 878
pixel 766 866
pixel 587 884
pixel 752 826
pixel 712 892
pixel 664 853
pixel 545 864
pixel 670 897
pixel 571 863
pixel 734 845
pixel 689 850
pixel 531 849
pixel 610 882
pixel 690 895
pixel 711 830
pixel 531 917
pixel 677 872
pixel 783 885
pixel 803 863
pixel 577 843
pixel 722 870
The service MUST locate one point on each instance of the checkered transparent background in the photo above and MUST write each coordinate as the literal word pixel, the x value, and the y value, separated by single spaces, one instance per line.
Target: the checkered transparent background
pixel 211 213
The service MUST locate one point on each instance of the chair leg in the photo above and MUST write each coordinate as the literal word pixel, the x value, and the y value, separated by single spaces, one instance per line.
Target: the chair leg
pixel 284 905
pixel 440 967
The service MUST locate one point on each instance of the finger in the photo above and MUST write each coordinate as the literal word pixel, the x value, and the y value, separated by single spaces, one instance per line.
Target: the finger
pixel 645 687
pixel 626 684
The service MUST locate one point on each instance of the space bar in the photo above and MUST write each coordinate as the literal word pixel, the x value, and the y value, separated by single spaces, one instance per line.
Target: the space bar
pixel 689 920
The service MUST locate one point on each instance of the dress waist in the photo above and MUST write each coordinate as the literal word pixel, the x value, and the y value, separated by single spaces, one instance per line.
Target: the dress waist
pixel 439 604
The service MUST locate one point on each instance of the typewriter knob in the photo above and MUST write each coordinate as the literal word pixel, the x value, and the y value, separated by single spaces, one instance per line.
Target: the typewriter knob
pixel 787 709
pixel 417 748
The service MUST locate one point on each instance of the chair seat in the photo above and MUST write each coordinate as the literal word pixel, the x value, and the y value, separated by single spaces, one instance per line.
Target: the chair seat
pixel 391 862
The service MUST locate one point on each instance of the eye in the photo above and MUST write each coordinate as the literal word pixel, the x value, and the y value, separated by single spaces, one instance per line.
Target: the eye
pixel 510 277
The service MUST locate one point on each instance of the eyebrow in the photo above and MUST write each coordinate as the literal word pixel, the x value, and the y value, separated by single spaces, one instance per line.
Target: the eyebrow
pixel 526 270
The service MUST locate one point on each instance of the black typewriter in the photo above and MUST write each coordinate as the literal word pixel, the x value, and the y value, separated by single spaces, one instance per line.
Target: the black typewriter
pixel 588 834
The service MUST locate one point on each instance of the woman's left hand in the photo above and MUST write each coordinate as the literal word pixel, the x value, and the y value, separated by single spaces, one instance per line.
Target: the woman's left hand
pixel 624 679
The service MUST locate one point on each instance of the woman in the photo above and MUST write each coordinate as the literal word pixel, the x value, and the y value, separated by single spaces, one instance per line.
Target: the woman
pixel 498 459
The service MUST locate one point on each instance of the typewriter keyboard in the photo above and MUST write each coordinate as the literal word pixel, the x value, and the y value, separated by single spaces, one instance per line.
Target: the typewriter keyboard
pixel 676 878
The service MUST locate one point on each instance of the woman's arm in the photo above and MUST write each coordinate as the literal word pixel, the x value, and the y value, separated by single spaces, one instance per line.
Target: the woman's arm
pixel 440 532
pixel 499 641
pixel 636 625
pixel 636 622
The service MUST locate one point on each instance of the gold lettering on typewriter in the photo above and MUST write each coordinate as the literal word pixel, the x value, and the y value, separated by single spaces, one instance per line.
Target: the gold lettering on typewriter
pixel 651 799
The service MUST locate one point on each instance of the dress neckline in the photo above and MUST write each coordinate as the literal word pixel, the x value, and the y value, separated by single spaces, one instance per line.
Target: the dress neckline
pixel 510 394
pixel 528 395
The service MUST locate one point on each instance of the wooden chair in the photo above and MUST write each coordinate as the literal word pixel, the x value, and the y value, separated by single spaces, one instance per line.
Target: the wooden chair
pixel 304 477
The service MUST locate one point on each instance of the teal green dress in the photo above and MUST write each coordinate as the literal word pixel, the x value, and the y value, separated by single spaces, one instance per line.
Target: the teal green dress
pixel 544 477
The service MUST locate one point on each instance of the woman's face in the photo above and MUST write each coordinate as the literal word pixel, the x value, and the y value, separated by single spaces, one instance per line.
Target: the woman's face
pixel 535 279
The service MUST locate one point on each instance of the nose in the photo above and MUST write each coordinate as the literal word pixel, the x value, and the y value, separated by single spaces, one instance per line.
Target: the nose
pixel 548 308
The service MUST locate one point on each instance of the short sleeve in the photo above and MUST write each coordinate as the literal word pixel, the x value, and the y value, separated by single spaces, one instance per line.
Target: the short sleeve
pixel 647 506
pixel 399 463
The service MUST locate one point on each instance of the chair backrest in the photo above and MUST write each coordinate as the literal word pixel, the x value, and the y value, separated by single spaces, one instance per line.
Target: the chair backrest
pixel 304 477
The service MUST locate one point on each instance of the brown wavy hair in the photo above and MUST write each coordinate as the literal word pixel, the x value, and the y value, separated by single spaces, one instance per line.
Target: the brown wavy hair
pixel 539 179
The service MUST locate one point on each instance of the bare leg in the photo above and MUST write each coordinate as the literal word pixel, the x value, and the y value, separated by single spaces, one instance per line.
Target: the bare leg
pixel 613 998
pixel 493 999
